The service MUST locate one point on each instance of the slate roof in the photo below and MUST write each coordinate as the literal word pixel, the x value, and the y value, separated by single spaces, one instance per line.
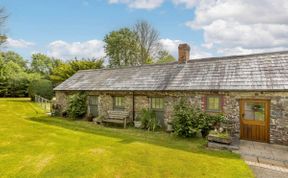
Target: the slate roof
pixel 264 72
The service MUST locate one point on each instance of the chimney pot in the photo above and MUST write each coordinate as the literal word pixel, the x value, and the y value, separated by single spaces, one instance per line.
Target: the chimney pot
pixel 183 53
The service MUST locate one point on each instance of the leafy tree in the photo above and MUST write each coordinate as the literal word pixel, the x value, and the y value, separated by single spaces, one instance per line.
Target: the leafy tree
pixel 122 48
pixel 14 80
pixel 42 88
pixel 67 69
pixel 165 57
pixel 16 58
pixel 148 40
pixel 43 64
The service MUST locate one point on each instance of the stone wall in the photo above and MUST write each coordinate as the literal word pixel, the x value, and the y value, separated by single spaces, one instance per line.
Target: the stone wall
pixel 278 113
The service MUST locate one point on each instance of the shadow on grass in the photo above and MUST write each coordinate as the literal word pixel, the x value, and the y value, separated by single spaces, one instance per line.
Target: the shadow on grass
pixel 130 135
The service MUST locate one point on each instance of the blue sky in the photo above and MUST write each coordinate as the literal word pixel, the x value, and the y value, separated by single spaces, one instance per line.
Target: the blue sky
pixel 67 28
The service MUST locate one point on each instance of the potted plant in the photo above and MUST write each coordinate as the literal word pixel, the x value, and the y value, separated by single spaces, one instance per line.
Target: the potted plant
pixel 99 119
pixel 137 122
pixel 258 108
pixel 169 126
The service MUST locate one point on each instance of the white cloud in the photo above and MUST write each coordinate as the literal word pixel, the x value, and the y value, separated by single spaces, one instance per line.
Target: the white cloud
pixel 172 47
pixel 186 3
pixel 242 26
pixel 139 4
pixel 18 43
pixel 86 49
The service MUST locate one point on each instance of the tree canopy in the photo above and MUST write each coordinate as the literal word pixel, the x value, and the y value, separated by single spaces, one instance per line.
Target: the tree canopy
pixel 69 68
pixel 122 48
pixel 43 64
pixel 165 57
pixel 148 40
pixel 135 46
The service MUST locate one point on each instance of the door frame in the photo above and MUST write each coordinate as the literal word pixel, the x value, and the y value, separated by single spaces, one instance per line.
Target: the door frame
pixel 249 122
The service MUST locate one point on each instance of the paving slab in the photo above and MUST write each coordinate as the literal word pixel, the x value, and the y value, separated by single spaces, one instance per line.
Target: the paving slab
pixel 249 158
pixel 267 173
pixel 266 160
pixel 271 162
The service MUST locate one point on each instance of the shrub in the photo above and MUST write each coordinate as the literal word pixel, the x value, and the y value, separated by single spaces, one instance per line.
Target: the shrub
pixel 148 119
pixel 77 107
pixel 188 121
pixel 42 88
pixel 184 120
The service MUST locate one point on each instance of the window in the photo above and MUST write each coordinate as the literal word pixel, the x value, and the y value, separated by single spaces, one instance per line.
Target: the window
pixel 254 111
pixel 157 103
pixel 119 102
pixel 213 103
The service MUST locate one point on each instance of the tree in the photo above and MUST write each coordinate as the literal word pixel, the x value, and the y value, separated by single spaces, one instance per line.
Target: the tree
pixel 16 58
pixel 165 57
pixel 3 18
pixel 14 78
pixel 67 69
pixel 122 48
pixel 148 39
pixel 42 88
pixel 43 64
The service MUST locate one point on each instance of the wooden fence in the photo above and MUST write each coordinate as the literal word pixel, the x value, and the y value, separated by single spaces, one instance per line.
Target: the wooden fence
pixel 44 103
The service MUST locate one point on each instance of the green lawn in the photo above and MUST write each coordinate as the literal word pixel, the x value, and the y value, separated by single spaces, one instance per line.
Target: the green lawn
pixel 35 145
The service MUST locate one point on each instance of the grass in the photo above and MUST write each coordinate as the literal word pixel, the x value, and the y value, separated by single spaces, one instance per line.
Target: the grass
pixel 35 145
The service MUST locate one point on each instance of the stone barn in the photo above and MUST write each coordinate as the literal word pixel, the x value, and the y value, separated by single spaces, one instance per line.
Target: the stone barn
pixel 251 90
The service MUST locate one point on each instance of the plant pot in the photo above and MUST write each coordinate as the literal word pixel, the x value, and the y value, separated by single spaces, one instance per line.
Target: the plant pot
pixel 217 139
pixel 137 124
pixel 169 128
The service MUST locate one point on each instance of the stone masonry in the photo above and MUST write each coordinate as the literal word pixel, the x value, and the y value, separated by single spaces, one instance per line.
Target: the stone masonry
pixel 278 108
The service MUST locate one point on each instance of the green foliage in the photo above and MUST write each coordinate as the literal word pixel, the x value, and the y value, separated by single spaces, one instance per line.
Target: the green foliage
pixel 11 56
pixel 224 135
pixel 165 57
pixel 184 120
pixel 122 48
pixel 14 79
pixel 42 88
pixel 187 121
pixel 148 119
pixel 67 69
pixel 43 64
pixel 77 106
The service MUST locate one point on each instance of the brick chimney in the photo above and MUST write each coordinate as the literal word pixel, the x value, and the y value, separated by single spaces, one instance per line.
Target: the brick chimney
pixel 183 53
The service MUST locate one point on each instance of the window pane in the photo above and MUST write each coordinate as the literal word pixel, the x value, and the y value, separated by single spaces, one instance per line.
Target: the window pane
pixel 254 111
pixel 157 103
pixel 161 103
pixel 213 103
pixel 119 101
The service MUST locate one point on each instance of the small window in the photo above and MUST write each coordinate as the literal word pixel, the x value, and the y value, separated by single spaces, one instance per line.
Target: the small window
pixel 157 103
pixel 213 103
pixel 119 102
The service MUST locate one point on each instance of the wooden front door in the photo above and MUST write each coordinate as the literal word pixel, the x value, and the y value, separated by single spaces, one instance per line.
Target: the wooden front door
pixel 254 120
